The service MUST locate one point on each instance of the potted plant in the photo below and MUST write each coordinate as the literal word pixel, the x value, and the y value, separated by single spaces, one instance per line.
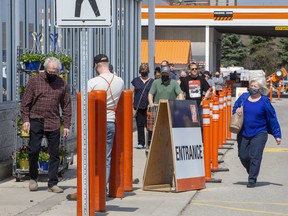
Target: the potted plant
pixel 22 157
pixel 32 61
pixel 43 159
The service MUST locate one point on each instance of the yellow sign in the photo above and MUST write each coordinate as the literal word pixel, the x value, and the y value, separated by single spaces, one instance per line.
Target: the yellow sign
pixel 281 28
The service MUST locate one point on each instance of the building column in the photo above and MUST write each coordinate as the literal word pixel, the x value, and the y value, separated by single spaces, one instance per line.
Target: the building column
pixel 207 44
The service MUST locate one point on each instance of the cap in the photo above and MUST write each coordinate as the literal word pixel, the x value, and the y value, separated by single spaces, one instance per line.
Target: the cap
pixel 165 69
pixel 100 58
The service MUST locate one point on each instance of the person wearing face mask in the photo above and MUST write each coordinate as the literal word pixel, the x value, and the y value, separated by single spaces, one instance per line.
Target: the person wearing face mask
pixel 140 87
pixel 259 120
pixel 218 81
pixel 40 113
pixel 164 88
pixel 113 85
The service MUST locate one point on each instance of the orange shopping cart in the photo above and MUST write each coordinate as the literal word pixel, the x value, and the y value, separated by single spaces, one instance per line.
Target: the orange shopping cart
pixel 151 118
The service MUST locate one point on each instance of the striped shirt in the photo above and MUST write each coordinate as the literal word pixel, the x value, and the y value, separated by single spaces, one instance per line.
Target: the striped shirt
pixel 42 100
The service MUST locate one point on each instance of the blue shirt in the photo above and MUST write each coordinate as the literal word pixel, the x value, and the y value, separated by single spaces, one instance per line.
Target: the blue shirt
pixel 139 86
pixel 254 118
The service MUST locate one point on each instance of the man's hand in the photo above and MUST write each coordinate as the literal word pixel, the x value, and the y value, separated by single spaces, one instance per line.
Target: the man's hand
pixel 26 127
pixel 66 132
pixel 278 141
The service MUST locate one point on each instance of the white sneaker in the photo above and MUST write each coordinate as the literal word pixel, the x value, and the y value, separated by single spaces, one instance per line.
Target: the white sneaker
pixel 33 185
pixel 55 189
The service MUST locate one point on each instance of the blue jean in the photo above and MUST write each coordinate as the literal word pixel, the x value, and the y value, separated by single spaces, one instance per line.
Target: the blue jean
pixel 109 145
pixel 250 151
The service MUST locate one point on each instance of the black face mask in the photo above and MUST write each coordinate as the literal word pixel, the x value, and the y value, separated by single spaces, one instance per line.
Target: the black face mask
pixel 217 76
pixel 165 78
pixel 144 74
pixel 51 77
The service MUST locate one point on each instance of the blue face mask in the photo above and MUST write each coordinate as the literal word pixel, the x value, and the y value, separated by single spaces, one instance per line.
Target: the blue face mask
pixel 253 91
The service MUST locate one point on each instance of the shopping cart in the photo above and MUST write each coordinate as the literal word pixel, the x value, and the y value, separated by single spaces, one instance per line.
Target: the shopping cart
pixel 151 119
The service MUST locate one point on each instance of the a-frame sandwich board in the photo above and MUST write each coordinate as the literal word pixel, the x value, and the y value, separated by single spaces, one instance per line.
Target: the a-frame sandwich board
pixel 175 162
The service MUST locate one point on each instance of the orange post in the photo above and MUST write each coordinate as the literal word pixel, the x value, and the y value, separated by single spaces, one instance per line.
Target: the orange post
pixel 91 152
pixel 224 130
pixel 116 183
pixel 206 138
pixel 211 125
pixel 220 130
pixel 79 156
pixel 128 141
pixel 271 90
pixel 279 90
pixel 100 149
pixel 215 123
pixel 229 104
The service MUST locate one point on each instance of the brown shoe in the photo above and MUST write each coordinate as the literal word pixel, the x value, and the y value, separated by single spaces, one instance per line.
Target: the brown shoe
pixel 72 197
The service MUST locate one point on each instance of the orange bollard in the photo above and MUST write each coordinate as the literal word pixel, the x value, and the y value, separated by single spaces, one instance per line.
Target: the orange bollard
pixel 100 149
pixel 91 152
pixel 206 138
pixel 229 110
pixel 220 130
pixel 128 141
pixel 279 91
pixel 224 135
pixel 211 125
pixel 116 183
pixel 79 156
pixel 215 125
pixel 271 90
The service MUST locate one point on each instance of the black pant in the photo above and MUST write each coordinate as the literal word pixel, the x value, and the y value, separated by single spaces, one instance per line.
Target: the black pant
pixel 53 137
pixel 141 119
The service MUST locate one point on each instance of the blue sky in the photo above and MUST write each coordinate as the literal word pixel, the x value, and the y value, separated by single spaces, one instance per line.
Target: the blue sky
pixel 262 2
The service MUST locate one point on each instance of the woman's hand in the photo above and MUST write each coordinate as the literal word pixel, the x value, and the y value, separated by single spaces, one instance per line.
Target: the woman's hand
pixel 278 141
pixel 239 111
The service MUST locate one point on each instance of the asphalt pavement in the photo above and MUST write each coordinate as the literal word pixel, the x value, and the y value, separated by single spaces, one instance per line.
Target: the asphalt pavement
pixel 231 197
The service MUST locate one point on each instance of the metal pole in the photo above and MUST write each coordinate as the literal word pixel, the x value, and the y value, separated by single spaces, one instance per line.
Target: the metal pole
pixel 84 99
pixel 151 35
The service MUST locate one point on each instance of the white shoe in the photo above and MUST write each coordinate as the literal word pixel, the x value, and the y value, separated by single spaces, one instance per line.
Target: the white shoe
pixel 55 189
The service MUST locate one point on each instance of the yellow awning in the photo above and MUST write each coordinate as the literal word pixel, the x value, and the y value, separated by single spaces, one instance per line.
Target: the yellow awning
pixel 174 51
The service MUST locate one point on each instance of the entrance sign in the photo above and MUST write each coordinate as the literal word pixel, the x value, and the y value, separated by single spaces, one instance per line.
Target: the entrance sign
pixel 176 159
pixel 83 13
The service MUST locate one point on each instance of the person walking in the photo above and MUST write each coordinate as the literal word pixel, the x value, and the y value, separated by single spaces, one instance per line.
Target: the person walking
pixel 140 87
pixel 40 113
pixel 164 88
pixel 259 120
pixel 113 85
pixel 194 85
pixel 218 81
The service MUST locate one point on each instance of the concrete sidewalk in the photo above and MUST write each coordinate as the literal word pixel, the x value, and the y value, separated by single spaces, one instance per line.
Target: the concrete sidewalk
pixel 16 199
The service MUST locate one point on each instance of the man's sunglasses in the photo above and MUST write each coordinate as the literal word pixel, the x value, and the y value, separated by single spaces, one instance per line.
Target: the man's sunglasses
pixel 193 68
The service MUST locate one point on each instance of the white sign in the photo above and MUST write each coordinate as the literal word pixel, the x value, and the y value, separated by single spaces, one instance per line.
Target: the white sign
pixel 83 13
pixel 188 152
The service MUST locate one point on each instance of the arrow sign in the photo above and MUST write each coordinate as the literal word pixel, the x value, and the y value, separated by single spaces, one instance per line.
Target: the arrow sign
pixel 83 13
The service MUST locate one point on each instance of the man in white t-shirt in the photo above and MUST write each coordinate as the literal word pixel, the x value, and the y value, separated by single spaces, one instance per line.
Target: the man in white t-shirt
pixel 113 85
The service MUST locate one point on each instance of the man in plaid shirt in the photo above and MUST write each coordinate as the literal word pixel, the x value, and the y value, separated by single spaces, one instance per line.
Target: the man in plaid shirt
pixel 44 94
